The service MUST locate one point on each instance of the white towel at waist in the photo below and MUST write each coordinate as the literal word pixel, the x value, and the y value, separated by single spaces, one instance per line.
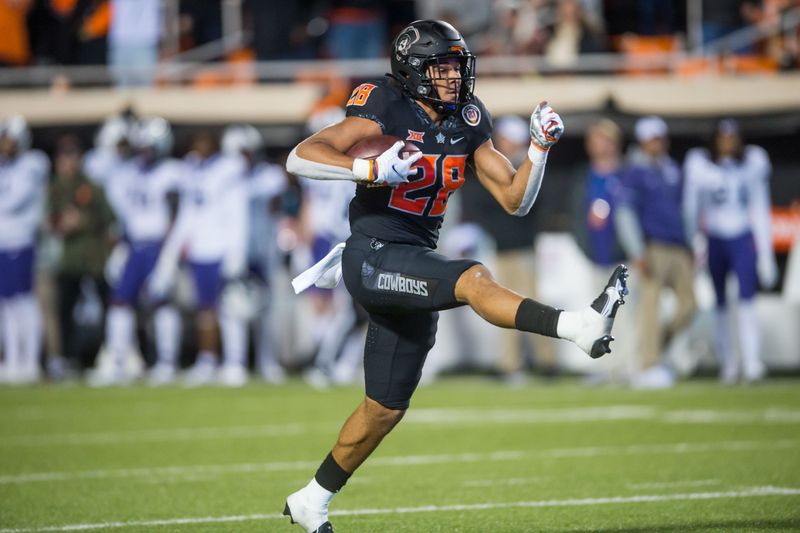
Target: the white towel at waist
pixel 325 274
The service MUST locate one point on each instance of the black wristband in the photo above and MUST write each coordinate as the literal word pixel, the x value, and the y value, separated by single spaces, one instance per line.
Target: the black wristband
pixel 537 318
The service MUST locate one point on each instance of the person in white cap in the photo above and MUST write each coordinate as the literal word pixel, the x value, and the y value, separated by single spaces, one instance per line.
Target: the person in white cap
pixel 727 198
pixel 652 231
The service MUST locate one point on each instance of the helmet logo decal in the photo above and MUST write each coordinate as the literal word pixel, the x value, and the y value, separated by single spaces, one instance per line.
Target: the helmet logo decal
pixel 409 36
pixel 471 114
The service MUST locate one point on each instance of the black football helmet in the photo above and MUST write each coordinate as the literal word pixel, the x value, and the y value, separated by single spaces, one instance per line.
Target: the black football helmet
pixel 423 44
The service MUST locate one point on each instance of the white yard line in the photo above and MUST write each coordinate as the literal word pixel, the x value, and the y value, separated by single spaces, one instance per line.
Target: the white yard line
pixel 514 481
pixel 154 435
pixel 406 460
pixel 673 484
pixel 418 418
pixel 572 502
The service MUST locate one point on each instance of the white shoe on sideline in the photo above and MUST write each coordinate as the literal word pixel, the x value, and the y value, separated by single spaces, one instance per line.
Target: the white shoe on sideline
pixel 274 374
pixel 729 374
pixel 109 377
pixel 161 374
pixel 203 372
pixel 657 377
pixel 232 376
pixel 754 372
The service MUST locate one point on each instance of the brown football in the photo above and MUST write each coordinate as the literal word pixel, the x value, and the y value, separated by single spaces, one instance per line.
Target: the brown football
pixel 373 146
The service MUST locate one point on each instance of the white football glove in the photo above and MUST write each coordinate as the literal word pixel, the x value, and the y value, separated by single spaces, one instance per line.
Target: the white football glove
pixel 546 127
pixel 388 168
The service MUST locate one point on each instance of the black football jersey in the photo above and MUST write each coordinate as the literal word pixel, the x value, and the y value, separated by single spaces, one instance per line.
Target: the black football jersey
pixel 412 212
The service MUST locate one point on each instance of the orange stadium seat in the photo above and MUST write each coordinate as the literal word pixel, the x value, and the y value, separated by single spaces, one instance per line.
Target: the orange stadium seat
pixel 751 64
pixel 639 47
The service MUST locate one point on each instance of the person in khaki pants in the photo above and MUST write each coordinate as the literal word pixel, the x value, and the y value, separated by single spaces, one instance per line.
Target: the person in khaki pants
pixel 652 232
pixel 515 263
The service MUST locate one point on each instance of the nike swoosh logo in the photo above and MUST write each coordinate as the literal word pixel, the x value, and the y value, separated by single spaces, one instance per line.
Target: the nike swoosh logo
pixel 453 141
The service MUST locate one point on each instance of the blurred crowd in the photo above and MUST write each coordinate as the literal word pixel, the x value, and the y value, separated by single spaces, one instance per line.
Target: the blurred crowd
pixel 121 262
pixel 131 36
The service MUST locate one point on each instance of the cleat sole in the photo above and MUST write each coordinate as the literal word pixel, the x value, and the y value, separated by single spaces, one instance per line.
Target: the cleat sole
pixel 601 347
pixel 288 512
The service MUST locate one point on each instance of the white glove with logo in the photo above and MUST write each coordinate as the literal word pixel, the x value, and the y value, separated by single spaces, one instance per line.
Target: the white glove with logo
pixel 546 127
pixel 388 168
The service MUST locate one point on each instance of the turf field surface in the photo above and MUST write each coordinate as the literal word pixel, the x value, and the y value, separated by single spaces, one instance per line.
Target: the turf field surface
pixel 471 455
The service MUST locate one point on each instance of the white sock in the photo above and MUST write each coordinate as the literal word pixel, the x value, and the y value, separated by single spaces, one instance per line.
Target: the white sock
pixel 318 496
pixel 31 330
pixel 167 328
pixel 583 327
pixel 206 358
pixel 234 340
pixel 11 337
pixel 749 337
pixel 120 324
pixel 723 343
pixel 569 325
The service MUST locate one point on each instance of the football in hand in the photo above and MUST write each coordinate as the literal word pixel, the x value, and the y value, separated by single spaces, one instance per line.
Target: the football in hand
pixel 373 146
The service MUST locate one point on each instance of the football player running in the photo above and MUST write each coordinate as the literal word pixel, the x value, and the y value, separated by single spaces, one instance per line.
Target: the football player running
pixel 388 263
pixel 23 182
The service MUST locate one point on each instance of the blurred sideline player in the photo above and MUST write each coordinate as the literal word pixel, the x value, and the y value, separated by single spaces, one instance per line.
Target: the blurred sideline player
pixel 265 183
pixel 652 231
pixel 211 230
pixel 727 199
pixel 23 182
pixel 112 147
pixel 388 263
pixel 324 222
pixel 138 191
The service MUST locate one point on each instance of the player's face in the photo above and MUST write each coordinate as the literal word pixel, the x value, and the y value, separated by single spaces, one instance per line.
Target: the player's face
pixel 727 144
pixel 446 76
pixel 8 146
pixel 601 144
pixel 655 147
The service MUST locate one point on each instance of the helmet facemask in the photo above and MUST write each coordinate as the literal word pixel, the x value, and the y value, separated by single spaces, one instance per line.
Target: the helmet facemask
pixel 433 78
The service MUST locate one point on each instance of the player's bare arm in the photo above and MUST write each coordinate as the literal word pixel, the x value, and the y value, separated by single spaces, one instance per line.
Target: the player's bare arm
pixel 329 145
pixel 516 189
pixel 322 156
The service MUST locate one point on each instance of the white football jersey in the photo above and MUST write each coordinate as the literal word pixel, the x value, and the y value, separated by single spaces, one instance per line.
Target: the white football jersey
pixel 328 206
pixel 138 194
pixel 727 199
pixel 23 185
pixel 213 208
pixel 100 164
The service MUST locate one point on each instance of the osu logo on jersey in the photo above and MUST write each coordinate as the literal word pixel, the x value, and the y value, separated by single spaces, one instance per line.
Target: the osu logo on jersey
pixel 471 114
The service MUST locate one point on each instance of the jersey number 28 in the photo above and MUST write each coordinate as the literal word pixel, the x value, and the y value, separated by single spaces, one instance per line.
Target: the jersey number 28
pixel 450 167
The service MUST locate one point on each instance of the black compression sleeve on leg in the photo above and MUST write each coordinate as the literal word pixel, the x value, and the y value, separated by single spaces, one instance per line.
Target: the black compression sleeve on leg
pixel 330 475
pixel 537 318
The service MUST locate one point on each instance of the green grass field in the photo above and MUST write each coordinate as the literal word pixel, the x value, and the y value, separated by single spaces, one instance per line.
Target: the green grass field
pixel 471 455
